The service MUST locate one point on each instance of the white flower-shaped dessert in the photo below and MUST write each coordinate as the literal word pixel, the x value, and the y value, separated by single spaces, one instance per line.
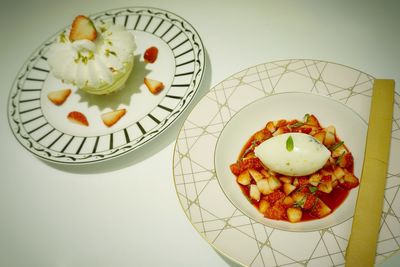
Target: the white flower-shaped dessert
pixel 96 58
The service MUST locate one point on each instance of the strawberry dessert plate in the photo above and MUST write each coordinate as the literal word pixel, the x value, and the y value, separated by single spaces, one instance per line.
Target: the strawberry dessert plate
pixel 106 85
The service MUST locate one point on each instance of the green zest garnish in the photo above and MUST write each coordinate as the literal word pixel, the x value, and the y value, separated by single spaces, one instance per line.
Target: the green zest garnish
pixel 63 38
pixel 297 124
pixel 332 148
pixel 84 59
pixel 313 189
pixel 289 143
pixel 306 116
pixel 108 52
pixel 300 203
pixel 340 158
pixel 251 147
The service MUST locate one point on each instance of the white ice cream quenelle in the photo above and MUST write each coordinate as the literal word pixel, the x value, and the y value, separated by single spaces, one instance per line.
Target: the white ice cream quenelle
pixel 306 156
pixel 98 67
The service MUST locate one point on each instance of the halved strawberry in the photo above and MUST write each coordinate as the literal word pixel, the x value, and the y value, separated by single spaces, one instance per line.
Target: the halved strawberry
pixel 82 28
pixel 78 118
pixel 58 97
pixel 153 85
pixel 110 118
pixel 151 54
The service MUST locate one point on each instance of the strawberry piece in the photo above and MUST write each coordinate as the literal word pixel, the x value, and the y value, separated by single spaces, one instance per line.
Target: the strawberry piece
pixel 82 28
pixel 235 169
pixel 58 97
pixel 110 118
pixel 153 85
pixel 151 54
pixel 78 118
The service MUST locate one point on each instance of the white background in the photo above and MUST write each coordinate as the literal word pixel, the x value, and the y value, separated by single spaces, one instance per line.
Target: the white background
pixel 126 212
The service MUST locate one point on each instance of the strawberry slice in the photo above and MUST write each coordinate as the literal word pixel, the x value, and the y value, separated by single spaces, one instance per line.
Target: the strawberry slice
pixel 82 28
pixel 110 118
pixel 151 54
pixel 58 97
pixel 153 85
pixel 78 118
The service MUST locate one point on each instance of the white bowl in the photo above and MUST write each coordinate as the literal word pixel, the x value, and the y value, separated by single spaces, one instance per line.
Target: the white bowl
pixel 350 127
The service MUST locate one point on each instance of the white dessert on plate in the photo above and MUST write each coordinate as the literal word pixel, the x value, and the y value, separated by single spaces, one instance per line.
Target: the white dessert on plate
pixel 97 58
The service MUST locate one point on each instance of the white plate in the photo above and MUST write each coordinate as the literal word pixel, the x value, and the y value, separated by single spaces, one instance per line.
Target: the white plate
pixel 349 126
pixel 44 129
pixel 231 231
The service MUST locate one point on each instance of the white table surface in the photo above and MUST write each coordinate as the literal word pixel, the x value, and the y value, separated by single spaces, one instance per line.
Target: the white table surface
pixel 125 212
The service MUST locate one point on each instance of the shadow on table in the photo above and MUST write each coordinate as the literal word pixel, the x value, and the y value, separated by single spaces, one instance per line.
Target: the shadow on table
pixel 149 149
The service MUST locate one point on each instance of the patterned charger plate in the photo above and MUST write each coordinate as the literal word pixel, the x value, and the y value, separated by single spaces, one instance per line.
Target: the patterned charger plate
pixel 43 128
pixel 224 226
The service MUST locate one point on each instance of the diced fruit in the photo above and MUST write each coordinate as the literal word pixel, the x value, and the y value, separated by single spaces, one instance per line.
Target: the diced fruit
pixel 274 183
pixel 288 201
pixel 285 179
pixel 294 214
pixel 153 85
pixel 276 212
pixel 254 192
pixel 112 117
pixel 288 188
pixel 312 120
pixel 58 97
pixel 256 175
pixel 235 168
pixel 325 187
pixel 251 163
pixel 350 181
pixel 321 209
pixel 338 172
pixel 82 28
pixel 263 206
pixel 280 123
pixel 330 136
pixel 315 179
pixel 244 178
pixel 309 202
pixel 264 187
pixel 339 151
pixel 347 161
pixel 150 55
pixel 78 118
pixel 281 130
pixel 303 181
pixel 299 198
pixel 320 136
pixel 270 126
pixel 275 196
pixel 265 173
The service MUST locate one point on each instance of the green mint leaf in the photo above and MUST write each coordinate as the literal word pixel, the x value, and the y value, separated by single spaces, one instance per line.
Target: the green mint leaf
pixel 289 143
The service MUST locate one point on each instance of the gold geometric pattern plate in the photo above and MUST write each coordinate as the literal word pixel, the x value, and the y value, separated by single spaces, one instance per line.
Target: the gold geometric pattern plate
pixel 226 228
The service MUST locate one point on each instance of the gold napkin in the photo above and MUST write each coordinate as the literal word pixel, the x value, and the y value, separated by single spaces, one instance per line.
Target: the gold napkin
pixel 361 249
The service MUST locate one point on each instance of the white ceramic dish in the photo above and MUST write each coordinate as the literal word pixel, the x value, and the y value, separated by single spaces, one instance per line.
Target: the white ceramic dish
pixel 350 128
pixel 43 128
pixel 233 232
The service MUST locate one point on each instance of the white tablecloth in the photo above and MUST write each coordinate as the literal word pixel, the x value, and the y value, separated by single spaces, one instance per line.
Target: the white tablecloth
pixel 126 213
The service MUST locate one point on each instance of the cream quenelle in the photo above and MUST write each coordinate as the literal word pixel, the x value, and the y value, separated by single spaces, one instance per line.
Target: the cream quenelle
pixel 293 154
pixel 97 58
